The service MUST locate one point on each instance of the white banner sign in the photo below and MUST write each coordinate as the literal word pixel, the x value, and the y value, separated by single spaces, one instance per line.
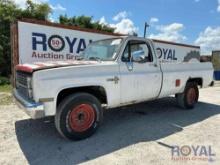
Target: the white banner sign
pixel 39 42
pixel 45 43
pixel 173 52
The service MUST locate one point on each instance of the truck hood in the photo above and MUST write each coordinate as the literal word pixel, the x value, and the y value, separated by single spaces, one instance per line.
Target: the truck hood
pixel 30 68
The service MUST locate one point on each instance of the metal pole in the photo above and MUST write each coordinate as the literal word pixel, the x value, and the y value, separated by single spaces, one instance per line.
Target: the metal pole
pixel 145 29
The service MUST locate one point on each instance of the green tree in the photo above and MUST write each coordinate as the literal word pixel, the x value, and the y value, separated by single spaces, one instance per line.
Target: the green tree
pixel 9 12
pixel 84 22
pixel 37 11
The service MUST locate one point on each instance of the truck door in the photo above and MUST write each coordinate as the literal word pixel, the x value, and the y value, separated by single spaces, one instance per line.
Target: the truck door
pixel 140 77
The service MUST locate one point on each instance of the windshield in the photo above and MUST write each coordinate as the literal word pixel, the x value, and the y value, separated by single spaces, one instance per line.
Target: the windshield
pixel 103 50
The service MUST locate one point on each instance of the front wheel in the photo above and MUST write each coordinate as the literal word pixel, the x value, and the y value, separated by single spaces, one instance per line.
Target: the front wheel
pixel 78 116
pixel 189 97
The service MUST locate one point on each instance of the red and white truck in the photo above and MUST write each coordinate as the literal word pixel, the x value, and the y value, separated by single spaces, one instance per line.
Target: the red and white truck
pixel 110 73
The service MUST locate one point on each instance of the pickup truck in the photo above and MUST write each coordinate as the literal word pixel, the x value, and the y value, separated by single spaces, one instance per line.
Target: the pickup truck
pixel 109 73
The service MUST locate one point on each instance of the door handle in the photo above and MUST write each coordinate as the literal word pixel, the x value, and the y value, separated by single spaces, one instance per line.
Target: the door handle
pixel 115 79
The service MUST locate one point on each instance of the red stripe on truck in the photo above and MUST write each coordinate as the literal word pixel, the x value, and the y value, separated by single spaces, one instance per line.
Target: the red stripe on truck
pixel 41 65
pixel 24 68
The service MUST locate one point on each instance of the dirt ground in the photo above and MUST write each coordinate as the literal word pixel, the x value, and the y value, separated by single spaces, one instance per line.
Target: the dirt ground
pixel 139 134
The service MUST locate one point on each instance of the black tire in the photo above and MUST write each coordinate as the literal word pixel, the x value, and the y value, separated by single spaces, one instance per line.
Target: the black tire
pixel 70 107
pixel 183 98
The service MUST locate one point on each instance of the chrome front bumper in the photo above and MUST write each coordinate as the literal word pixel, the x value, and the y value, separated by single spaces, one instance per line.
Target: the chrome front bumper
pixel 34 110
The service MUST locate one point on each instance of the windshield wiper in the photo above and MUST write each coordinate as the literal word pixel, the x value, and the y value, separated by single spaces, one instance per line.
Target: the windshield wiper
pixel 79 58
pixel 95 58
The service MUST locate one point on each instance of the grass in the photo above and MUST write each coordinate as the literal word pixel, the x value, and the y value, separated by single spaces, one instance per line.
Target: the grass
pixel 5 94
pixel 5 88
pixel 6 99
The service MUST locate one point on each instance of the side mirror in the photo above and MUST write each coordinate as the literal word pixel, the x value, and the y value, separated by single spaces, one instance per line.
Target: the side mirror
pixel 139 56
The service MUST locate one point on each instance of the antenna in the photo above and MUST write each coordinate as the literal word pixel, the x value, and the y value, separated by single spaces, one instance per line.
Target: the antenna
pixel 145 28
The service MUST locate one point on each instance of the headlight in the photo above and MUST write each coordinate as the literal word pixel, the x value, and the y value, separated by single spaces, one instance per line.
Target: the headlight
pixel 30 93
pixel 29 87
pixel 29 82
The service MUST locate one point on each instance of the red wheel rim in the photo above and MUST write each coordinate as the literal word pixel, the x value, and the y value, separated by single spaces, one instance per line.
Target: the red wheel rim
pixel 81 117
pixel 191 96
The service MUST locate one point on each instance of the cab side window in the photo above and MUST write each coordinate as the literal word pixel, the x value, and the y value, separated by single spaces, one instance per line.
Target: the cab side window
pixel 137 48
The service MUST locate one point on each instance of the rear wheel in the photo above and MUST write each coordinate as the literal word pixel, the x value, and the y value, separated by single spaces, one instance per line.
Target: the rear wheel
pixel 189 97
pixel 78 116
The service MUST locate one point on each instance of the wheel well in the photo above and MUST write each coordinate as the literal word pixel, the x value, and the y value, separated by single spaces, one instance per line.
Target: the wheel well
pixel 97 91
pixel 199 81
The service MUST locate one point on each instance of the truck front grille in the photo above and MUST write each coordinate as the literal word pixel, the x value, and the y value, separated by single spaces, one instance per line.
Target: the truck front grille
pixel 22 84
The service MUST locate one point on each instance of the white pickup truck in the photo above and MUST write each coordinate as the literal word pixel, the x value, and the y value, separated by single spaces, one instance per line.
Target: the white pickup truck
pixel 110 73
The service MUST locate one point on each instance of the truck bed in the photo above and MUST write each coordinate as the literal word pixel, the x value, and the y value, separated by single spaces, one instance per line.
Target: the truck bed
pixel 183 71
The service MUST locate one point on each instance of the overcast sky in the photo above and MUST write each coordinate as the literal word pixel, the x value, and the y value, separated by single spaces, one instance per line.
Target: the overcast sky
pixel 186 21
